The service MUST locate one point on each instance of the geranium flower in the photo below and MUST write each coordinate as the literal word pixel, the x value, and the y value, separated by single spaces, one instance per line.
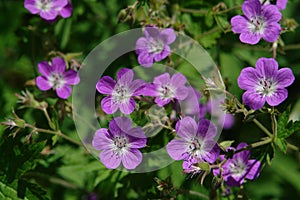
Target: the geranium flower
pixel 166 89
pixel 120 143
pixel 56 77
pixel 196 141
pixel 259 21
pixel 280 4
pixel 154 46
pixel 265 83
pixel 239 167
pixel 120 93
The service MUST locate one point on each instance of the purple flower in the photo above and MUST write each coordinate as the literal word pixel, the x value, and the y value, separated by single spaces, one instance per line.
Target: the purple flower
pixel 154 46
pixel 280 4
pixel 265 83
pixel 120 143
pixel 49 9
pixel 120 93
pixel 196 141
pixel 165 88
pixel 239 167
pixel 57 77
pixel 259 21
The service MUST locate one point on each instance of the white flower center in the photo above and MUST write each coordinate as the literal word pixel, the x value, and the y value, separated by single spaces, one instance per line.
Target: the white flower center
pixel 155 46
pixel 266 87
pixel 194 149
pixel 237 168
pixel 257 24
pixel 44 5
pixel 121 94
pixel 166 91
pixel 120 145
pixel 56 80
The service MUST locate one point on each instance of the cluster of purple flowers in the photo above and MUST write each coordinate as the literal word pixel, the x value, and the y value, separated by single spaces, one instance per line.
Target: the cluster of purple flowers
pixel 49 9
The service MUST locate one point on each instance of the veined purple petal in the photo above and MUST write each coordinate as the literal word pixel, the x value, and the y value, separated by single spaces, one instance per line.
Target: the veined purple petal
pixel 186 128
pixel 271 13
pixel 58 65
pixel 177 149
pixel 137 138
pixel 64 92
pixel 137 87
pixel 120 124
pixel 239 24
pixel 42 83
pixel 110 159
pixel 168 35
pixel 125 76
pixel 108 106
pixel 31 6
pixel 243 155
pixel 248 78
pixel 206 129
pixel 106 85
pixel 44 68
pixel 150 90
pixel 71 77
pixel 249 38
pixel 161 102
pixel 49 15
pixel 163 54
pixel 232 182
pixel 145 59
pixel 251 8
pixel 267 67
pixel 285 77
pixel 253 169
pixel 162 79
pixel 210 151
pixel 59 3
pixel 253 100
pixel 278 97
pixel 181 93
pixel 151 31
pixel 141 45
pixel 66 11
pixel 127 107
pixel 178 80
pixel 281 4
pixel 132 158
pixel 101 139
pixel 272 32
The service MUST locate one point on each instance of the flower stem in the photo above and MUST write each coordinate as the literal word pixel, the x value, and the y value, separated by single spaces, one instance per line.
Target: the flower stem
pixel 263 128
pixel 274 123
pixel 255 145
pixel 293 147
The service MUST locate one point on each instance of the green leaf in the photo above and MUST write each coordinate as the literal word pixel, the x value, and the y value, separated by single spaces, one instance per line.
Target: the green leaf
pixel 281 144
pixel 7 192
pixel 225 144
pixel 286 127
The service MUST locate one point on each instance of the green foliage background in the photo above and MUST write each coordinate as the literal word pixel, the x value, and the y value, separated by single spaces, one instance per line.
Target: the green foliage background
pixel 40 170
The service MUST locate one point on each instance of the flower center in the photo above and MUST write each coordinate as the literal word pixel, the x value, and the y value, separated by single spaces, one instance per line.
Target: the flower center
pixel 194 147
pixel 121 94
pixel 166 91
pixel 155 46
pixel 266 87
pixel 56 80
pixel 237 167
pixel 44 5
pixel 120 141
pixel 257 24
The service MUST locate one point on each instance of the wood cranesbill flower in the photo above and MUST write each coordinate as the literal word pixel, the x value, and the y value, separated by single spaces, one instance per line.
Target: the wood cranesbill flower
pixel 166 89
pixel 259 21
pixel 57 77
pixel 196 142
pixel 154 46
pixel 280 4
pixel 49 9
pixel 120 93
pixel 265 83
pixel 120 143
pixel 239 167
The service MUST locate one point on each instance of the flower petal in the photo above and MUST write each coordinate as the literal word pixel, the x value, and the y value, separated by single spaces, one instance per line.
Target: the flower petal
pixel 141 45
pixel 178 80
pixel 49 15
pixel 271 13
pixel 127 107
pixel 125 76
pixel 132 158
pixel 66 11
pixel 248 78
pixel 168 35
pixel 101 139
pixel 251 8
pixel 285 77
pixel 206 129
pixel 108 106
pixel 177 149
pixel 281 4
pixel 181 93
pixel 150 90
pixel 249 38
pixel 71 77
pixel 110 159
pixel 267 67
pixel 58 64
pixel 239 24
pixel 31 6
pixel 253 100
pixel 162 79
pixel 106 85
pixel 145 59
pixel 253 169
pixel 186 128
pixel 151 31
pixel 161 102
pixel 272 32
pixel 42 83
pixel 243 155
pixel 44 68
pixel 137 138
pixel 120 125
pixel 278 97
pixel 136 87
pixel 163 54
pixel 64 92
pixel 210 151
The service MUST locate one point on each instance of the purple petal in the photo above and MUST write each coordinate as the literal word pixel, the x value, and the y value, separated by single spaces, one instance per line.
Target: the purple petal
pixel 272 32
pixel 58 64
pixel 151 31
pixel 108 106
pixel 64 92
pixel 232 182
pixel 239 24
pixel 66 11
pixel 207 129
pixel 278 97
pixel 248 78
pixel 253 169
pixel 101 139
pixel 145 59
pixel 48 15
pixel 31 6
pixel 251 8
pixel 281 4
pixel 59 3
pixel 162 79
pixel 163 54
pixel 42 83
pixel 181 93
pixel 228 121
pixel 71 77
pixel 253 100
pixel 249 38
pixel 177 149
pixel 120 124
pixel 178 80
pixel 109 159
pixel 106 85
pixel 141 45
pixel 127 107
pixel 186 128
pixel 125 76
pixel 137 138
pixel 44 68
pixel 243 155
pixel 271 13
pixel 136 87
pixel 285 77
pixel 161 102
pixel 212 151
pixel 168 35
pixel 150 90
pixel 267 67
pixel 132 158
